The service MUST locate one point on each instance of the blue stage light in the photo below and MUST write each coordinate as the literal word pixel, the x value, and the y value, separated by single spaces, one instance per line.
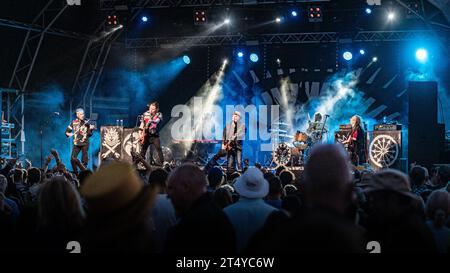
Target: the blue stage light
pixel 186 59
pixel 294 13
pixel 144 19
pixel 240 54
pixel 422 55
pixel 362 51
pixel 254 57
pixel 368 10
pixel 347 55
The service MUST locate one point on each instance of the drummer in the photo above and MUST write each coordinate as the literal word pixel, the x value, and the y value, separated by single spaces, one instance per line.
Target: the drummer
pixel 315 125
pixel 315 128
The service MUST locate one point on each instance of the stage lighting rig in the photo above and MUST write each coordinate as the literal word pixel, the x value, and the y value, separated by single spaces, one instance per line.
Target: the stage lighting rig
pixel 348 56
pixel 315 13
pixel 391 16
pixel 199 17
pixel 422 55
pixel 254 57
pixel 413 8
pixel 112 21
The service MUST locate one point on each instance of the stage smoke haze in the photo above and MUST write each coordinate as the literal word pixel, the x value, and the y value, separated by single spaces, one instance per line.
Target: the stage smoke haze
pixel 340 100
pixel 41 107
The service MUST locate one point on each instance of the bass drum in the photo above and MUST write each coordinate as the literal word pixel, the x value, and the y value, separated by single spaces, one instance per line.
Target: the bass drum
pixel 281 155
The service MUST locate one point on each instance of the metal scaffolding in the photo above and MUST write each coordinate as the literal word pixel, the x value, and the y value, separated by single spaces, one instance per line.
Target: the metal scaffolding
pixel 108 5
pixel 14 108
pixel 38 28
pixel 24 68
pixel 93 61
pixel 279 38
pixel 90 70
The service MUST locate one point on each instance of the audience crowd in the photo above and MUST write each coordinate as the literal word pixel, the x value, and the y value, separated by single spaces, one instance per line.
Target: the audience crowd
pixel 329 207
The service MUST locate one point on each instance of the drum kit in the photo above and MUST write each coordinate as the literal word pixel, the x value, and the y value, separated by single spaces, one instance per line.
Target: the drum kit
pixel 293 149
pixel 288 150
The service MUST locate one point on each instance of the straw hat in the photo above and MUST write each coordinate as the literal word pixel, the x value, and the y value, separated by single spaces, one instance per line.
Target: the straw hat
pixel 114 186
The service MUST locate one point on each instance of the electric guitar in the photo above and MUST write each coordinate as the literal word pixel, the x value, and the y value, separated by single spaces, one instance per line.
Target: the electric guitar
pixel 149 126
pixel 350 146
pixel 230 145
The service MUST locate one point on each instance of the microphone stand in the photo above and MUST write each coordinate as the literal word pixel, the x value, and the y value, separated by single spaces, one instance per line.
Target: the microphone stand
pixel 323 127
pixel 41 135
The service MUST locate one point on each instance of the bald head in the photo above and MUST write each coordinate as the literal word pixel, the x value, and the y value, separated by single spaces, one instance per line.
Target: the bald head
pixel 185 185
pixel 328 177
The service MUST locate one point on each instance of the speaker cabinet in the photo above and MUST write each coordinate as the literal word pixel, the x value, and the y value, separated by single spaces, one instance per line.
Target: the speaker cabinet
pixel 385 149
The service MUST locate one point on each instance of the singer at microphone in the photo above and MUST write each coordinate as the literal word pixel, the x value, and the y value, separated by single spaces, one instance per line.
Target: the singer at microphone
pixel 149 133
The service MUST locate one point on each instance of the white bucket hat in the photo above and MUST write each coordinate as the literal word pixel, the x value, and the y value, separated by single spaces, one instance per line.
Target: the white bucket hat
pixel 252 184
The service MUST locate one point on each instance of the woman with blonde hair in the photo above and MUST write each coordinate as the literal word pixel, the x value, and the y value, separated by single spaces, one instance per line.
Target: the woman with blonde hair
pixel 356 142
pixel 60 216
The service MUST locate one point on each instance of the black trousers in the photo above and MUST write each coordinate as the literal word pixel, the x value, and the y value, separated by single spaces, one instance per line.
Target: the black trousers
pixel 154 143
pixel 84 156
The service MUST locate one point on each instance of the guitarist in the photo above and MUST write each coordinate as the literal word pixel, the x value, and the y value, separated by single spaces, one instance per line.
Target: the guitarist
pixel 233 136
pixel 356 142
pixel 148 132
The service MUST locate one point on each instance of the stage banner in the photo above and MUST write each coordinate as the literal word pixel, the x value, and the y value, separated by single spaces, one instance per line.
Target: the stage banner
pixel 130 143
pixel 111 142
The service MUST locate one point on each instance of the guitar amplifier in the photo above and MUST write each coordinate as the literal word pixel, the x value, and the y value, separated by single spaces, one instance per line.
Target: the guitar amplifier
pixel 345 127
pixel 342 134
pixel 387 127
pixel 385 148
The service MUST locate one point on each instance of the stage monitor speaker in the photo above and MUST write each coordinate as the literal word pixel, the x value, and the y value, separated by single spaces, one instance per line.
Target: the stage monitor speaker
pixel 422 97
pixel 385 149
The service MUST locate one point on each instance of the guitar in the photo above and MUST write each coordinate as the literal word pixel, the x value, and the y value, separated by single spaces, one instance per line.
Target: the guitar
pixel 350 146
pixel 149 126
pixel 230 145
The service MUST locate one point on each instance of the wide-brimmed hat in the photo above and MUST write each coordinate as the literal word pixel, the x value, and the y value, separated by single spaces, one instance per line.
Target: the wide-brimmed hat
pixel 252 184
pixel 114 186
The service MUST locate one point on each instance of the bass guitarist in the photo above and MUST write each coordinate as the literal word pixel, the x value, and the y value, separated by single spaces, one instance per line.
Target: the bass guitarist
pixel 149 133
